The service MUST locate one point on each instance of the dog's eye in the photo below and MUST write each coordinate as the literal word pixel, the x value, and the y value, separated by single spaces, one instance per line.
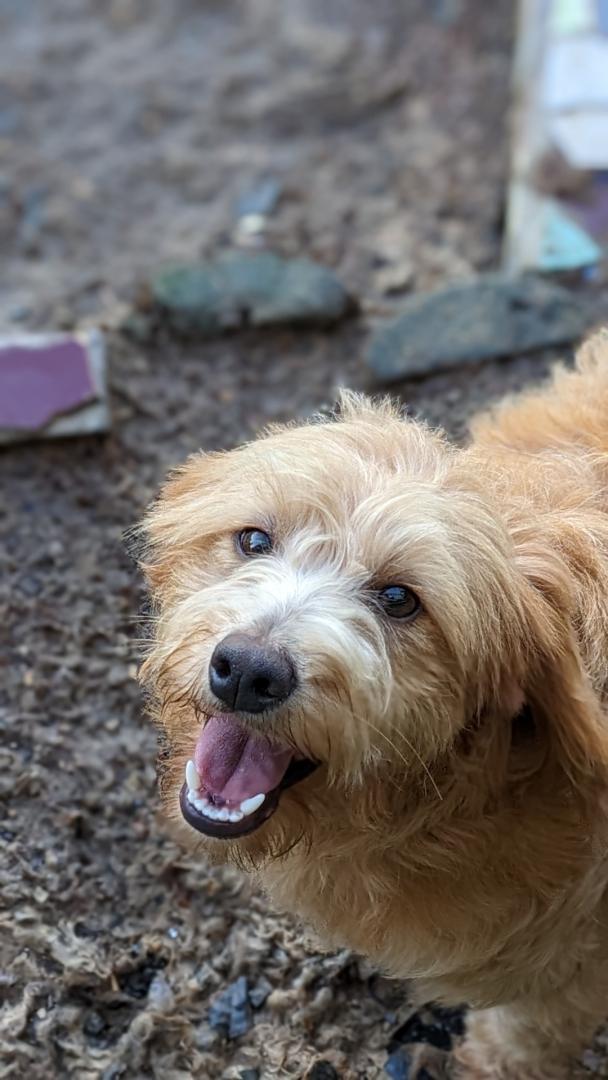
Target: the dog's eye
pixel 399 602
pixel 253 542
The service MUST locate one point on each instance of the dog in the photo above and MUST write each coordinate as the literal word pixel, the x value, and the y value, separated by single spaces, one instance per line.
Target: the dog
pixel 379 664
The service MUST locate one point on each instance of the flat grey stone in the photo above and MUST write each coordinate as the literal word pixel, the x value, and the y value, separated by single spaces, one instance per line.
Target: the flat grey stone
pixel 256 289
pixel 488 318
pixel 230 1013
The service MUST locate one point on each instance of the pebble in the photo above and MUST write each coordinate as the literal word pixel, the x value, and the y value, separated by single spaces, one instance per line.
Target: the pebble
pixel 260 992
pixel 398 1065
pixel 322 1070
pixel 490 317
pixel 160 994
pixel 433 1025
pixel 241 288
pixel 230 1013
pixel 205 1037
pixel 94 1024
pixel 260 199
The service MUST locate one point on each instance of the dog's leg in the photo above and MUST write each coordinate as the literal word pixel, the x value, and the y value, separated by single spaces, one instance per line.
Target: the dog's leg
pixel 529 1041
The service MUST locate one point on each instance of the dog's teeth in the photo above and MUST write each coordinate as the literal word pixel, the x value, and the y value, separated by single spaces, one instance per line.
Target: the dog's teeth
pixel 216 813
pixel 249 806
pixel 193 780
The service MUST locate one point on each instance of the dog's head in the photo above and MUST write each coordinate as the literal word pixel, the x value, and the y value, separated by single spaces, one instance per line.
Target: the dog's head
pixel 336 603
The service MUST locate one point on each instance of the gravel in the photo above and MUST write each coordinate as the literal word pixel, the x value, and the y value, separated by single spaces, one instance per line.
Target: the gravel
pixel 128 131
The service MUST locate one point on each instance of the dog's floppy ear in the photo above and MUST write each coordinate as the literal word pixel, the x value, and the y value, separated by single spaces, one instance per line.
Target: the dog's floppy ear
pixel 185 511
pixel 559 690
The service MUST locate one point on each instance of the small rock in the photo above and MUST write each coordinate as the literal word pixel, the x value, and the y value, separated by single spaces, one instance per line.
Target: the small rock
pixel 322 1070
pixel 249 1074
pixel 94 1024
pixel 250 230
pixel 394 279
pixel 259 993
pixel 398 1065
pixel 113 1072
pixel 138 326
pixel 205 1037
pixel 20 313
pixel 488 318
pixel 160 994
pixel 244 288
pixel 32 219
pixel 446 12
pixel 261 199
pixel 230 1013
pixel 435 1026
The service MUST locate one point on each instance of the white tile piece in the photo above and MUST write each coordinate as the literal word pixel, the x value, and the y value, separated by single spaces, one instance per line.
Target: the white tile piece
pixel 575 73
pixel 582 137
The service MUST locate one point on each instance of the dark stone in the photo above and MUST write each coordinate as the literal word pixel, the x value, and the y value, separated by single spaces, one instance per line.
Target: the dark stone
pixel 230 1013
pixel 432 1024
pixel 322 1070
pixel 138 326
pixel 398 1065
pixel 244 288
pixel 94 1024
pixel 249 1074
pixel 489 318
pixel 136 981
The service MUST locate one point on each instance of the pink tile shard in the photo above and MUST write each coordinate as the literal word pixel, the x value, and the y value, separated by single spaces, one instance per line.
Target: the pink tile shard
pixel 39 383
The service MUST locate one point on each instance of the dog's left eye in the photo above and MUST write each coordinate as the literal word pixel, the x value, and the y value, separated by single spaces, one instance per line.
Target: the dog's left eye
pixel 251 542
pixel 399 602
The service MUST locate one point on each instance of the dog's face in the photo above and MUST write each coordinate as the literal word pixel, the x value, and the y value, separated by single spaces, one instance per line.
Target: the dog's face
pixel 335 603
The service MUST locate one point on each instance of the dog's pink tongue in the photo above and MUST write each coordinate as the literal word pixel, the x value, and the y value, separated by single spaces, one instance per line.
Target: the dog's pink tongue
pixel 236 765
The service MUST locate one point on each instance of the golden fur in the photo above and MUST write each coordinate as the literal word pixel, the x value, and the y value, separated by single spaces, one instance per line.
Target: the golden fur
pixel 450 836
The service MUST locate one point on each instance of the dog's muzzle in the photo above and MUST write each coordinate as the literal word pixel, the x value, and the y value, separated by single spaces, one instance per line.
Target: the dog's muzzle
pixel 235 779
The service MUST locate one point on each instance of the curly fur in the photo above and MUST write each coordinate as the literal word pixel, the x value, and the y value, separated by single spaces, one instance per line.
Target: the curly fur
pixel 456 830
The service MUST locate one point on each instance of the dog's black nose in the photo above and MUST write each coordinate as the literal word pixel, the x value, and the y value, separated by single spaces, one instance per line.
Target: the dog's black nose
pixel 249 677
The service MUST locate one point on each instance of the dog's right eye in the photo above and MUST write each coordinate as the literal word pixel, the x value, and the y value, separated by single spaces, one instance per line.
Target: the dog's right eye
pixel 251 542
pixel 399 602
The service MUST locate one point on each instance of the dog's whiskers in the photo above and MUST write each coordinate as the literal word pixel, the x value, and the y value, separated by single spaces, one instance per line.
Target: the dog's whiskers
pixel 401 734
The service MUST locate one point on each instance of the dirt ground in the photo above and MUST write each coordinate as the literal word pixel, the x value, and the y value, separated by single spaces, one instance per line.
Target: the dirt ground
pixel 128 129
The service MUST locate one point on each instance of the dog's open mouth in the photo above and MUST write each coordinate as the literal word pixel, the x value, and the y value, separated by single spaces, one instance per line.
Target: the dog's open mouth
pixel 234 782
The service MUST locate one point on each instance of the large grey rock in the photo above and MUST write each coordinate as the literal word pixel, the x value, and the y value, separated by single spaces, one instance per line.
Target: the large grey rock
pixel 487 318
pixel 241 288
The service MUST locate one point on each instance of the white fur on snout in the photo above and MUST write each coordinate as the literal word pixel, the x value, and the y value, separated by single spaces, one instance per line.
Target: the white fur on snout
pixel 307 605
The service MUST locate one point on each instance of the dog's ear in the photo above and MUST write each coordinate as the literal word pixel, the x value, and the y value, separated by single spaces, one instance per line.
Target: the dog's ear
pixel 186 509
pixel 558 689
